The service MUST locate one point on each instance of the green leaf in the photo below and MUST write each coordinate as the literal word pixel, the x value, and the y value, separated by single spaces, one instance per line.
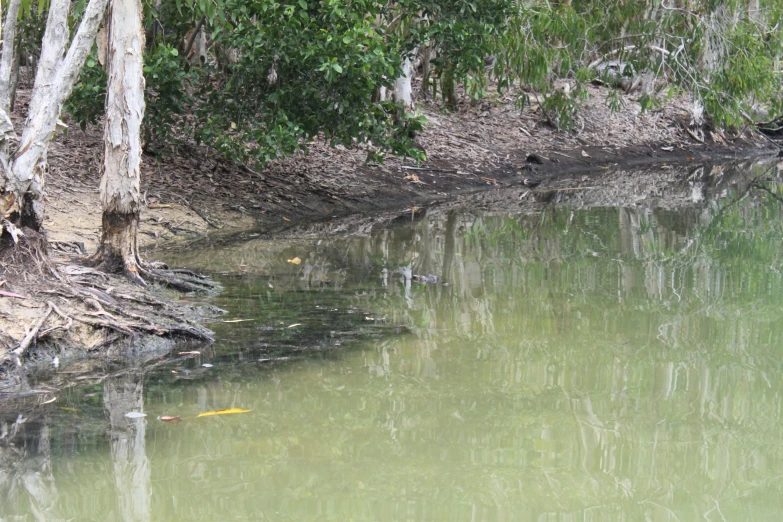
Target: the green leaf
pixel 337 68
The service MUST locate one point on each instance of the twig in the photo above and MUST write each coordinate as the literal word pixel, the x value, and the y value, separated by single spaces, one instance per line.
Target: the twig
pixel 11 294
pixel 565 188
pixel 28 339
pixel 693 135
pixel 105 324
pixel 428 169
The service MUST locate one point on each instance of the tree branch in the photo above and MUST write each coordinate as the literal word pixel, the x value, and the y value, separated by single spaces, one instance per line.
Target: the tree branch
pixel 194 36
pixel 7 61
pixel 54 82
pixel 73 62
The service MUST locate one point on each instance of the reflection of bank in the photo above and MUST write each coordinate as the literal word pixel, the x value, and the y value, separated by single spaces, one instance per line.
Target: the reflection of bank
pixel 121 395
pixel 26 471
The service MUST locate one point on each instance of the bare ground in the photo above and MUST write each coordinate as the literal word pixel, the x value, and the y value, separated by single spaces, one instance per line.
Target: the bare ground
pixel 192 194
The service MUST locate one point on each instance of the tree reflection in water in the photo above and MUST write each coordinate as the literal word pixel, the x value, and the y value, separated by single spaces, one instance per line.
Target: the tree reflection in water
pixel 123 394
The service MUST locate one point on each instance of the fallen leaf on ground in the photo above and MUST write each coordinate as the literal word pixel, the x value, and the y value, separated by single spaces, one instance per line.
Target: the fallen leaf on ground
pixel 295 324
pixel 50 400
pixel 586 155
pixel 285 218
pixel 206 365
pixel 295 261
pixel 173 418
pixel 2 282
pixel 68 408
pixel 238 320
pixel 223 412
pixel 190 353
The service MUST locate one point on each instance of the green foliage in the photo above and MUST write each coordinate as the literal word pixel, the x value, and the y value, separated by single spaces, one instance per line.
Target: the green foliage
pixel 88 98
pixel 302 70
pixel 280 73
pixel 168 83
pixel 746 76
pixel 561 107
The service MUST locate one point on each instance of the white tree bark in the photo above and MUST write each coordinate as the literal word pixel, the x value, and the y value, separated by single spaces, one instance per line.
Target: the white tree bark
pixel 9 51
pixel 196 43
pixel 403 88
pixel 121 171
pixel 23 174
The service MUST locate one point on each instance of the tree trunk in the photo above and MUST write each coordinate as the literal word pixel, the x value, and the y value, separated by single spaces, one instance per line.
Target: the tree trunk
pixel 14 78
pixel 426 58
pixel 23 162
pixel 9 52
pixel 121 170
pixel 449 92
pixel 403 88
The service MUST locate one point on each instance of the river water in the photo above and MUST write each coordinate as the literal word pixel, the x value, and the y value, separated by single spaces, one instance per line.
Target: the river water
pixel 590 364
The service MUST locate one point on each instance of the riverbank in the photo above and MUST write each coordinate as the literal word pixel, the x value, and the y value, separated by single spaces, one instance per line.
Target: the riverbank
pixel 191 195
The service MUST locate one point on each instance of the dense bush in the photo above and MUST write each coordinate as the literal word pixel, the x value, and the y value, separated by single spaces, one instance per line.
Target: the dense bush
pixel 281 73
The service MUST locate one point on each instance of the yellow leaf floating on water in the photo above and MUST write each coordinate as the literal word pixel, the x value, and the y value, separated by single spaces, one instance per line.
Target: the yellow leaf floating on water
pixel 223 412
pixel 295 260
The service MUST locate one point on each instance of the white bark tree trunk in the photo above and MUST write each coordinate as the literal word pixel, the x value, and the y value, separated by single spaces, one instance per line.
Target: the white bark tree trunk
pixel 403 88
pixel 9 51
pixel 121 170
pixel 23 173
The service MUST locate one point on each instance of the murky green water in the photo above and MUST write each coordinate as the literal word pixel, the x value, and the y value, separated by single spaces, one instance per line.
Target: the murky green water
pixel 599 364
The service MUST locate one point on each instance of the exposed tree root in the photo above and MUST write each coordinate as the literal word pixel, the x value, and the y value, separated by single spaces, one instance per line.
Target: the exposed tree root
pixel 80 307
pixel 119 254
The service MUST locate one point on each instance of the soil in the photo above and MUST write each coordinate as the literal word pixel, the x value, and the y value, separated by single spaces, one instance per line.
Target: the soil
pixel 192 194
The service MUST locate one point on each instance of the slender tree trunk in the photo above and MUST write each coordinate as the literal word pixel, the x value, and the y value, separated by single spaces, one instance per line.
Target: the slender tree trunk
pixel 426 58
pixel 403 88
pixel 9 51
pixel 23 162
pixel 121 170
pixel 14 79
pixel 449 93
